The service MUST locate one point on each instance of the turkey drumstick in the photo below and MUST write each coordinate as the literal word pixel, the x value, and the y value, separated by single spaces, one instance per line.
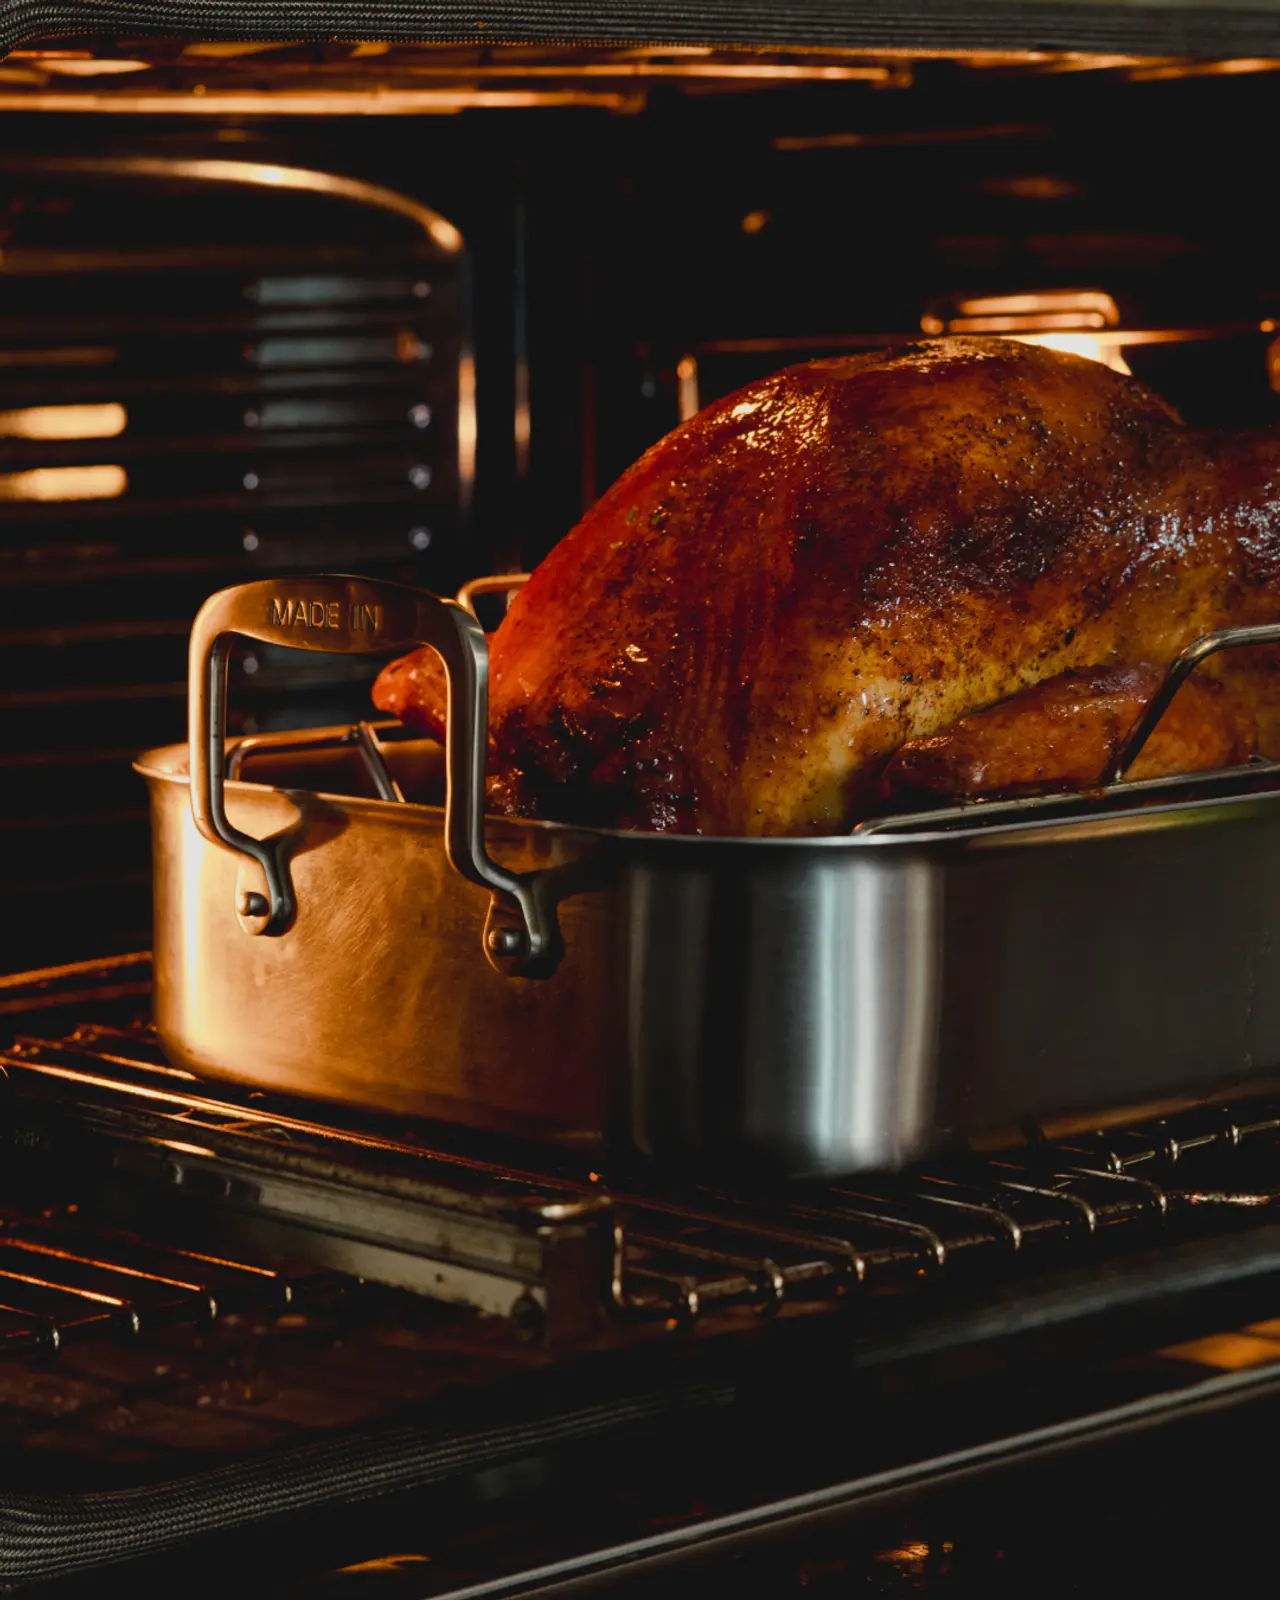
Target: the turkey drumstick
pixel 852 556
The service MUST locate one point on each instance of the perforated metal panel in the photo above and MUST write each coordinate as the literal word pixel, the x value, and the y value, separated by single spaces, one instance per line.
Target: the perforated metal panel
pixel 209 370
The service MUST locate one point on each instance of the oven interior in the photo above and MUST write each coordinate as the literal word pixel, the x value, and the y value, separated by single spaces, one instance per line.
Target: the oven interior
pixel 251 327
pixel 406 311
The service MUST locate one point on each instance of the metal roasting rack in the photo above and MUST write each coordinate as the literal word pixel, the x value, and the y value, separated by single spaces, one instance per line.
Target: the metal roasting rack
pixel 1258 775
pixel 535 1237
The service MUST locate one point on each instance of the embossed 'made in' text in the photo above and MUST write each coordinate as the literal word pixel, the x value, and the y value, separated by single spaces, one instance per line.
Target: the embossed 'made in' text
pixel 300 613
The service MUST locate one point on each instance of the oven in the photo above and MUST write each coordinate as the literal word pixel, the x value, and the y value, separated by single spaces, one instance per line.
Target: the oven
pixel 401 294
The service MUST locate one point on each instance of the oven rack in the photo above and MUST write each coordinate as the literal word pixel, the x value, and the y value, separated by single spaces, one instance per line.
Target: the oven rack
pixel 551 1247
pixel 62 1282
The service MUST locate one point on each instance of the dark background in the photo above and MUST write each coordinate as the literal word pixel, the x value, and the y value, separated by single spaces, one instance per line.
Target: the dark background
pixel 601 248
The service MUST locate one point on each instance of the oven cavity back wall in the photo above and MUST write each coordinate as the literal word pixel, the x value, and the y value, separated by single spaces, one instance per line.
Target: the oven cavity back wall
pixel 210 368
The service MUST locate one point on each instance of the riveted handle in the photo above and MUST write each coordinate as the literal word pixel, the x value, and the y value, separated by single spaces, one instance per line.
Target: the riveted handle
pixel 357 616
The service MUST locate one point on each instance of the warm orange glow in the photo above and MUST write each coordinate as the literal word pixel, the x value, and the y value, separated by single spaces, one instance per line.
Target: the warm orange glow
pixel 496 583
pixel 909 1559
pixel 64 422
pixel 21 980
pixel 228 50
pixel 671 63
pixel 376 101
pixel 48 1283
pixel 466 421
pixel 66 355
pixel 1066 320
pixel 728 70
pixel 388 1564
pixel 1088 345
pixel 223 1261
pixel 64 483
pixel 1205 69
pixel 1022 313
pixel 1091 301
pixel 1072 320
pixel 686 387
pixel 1226 1352
pixel 31 1247
pixel 105 67
pixel 250 174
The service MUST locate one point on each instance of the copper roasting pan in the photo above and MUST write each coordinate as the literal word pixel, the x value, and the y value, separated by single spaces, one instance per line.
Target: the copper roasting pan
pixel 809 1006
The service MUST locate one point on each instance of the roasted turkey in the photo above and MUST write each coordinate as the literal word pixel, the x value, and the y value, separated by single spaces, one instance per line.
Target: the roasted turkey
pixel 955 568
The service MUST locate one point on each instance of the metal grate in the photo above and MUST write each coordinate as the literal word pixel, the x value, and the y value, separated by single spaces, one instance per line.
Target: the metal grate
pixel 62 1282
pixel 1048 1203
pixel 532 1236
pixel 291 1356
pixel 222 1277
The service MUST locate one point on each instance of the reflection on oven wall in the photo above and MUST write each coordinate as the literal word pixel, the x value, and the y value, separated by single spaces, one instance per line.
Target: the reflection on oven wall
pixel 427 368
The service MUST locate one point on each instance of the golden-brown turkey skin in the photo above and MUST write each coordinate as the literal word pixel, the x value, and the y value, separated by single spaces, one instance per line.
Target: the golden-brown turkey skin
pixel 1064 734
pixel 853 554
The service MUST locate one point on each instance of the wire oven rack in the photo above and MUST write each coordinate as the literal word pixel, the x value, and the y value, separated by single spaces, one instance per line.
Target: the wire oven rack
pixel 222 1279
pixel 535 1237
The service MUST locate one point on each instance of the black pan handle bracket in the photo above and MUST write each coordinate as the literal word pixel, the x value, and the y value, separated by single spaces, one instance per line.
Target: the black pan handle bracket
pixel 357 616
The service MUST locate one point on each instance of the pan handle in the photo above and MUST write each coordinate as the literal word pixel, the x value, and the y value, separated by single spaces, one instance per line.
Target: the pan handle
pixel 343 615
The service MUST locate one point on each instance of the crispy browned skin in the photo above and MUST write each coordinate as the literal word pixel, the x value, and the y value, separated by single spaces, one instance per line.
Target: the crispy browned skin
pixel 413 688
pixel 852 555
pixel 1064 733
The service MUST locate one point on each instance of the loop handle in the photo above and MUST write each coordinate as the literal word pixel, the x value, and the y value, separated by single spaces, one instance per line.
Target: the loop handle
pixel 341 615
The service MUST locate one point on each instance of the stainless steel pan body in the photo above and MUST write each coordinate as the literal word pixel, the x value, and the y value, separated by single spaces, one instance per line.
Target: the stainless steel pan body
pixel 379 993
pixel 812 1006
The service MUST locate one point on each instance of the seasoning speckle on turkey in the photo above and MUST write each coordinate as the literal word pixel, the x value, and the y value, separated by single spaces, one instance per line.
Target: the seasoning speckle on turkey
pixel 755 629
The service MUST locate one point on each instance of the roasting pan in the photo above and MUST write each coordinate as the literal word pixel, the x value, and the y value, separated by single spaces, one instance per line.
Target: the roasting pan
pixel 805 1006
